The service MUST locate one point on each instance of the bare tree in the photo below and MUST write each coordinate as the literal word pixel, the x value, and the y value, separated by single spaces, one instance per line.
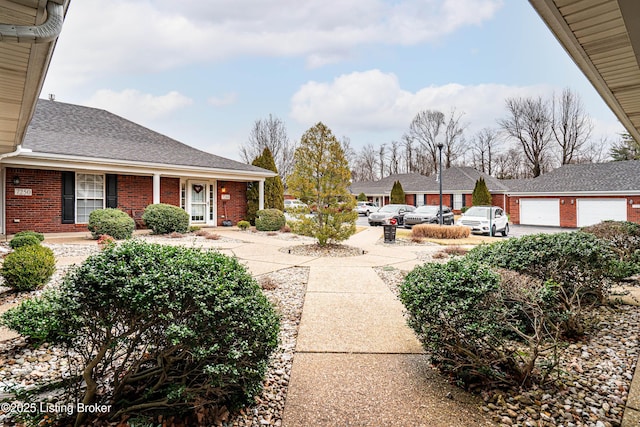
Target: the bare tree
pixel 571 125
pixel 453 139
pixel 509 165
pixel 593 152
pixel 270 133
pixel 349 153
pixel 484 147
pixel 394 158
pixel 409 154
pixel 529 123
pixel 424 129
pixel 366 164
pixel 381 159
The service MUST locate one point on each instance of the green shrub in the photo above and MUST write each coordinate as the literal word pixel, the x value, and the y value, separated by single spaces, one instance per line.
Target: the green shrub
pixel 624 238
pixel 243 225
pixel 583 266
pixel 24 240
pixel 113 222
pixel 36 318
pixel 39 236
pixel 195 326
pixel 164 219
pixel 270 220
pixel 483 326
pixel 28 267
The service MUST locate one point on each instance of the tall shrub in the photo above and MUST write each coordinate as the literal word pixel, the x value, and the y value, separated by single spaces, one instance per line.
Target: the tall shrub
pixel 273 187
pixel 397 193
pixel 481 195
pixel 362 197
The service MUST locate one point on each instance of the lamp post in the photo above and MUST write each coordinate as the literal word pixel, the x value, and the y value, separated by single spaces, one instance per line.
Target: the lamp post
pixel 440 145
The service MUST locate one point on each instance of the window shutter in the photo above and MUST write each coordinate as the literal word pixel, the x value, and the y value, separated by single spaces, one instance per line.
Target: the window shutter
pixel 68 197
pixel 112 190
pixel 464 201
pixel 451 200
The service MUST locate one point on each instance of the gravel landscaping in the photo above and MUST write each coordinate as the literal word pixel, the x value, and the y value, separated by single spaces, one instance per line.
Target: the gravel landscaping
pixel 595 374
pixel 25 368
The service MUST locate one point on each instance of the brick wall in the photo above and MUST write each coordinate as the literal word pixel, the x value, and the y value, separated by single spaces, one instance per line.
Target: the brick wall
pixel 410 199
pixel 236 206
pixel 135 193
pixel 42 211
pixel 170 191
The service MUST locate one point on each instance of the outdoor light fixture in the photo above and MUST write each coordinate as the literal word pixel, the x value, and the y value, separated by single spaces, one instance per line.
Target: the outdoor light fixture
pixel 630 201
pixel 16 180
pixel 223 189
pixel 440 145
pixel 562 202
pixel 571 201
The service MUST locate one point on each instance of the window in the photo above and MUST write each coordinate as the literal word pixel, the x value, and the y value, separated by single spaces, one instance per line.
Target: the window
pixel 89 195
pixel 420 199
pixel 457 201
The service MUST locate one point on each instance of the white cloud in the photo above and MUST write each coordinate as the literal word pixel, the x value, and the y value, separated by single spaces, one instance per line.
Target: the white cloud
pixel 373 100
pixel 221 101
pixel 137 106
pixel 153 35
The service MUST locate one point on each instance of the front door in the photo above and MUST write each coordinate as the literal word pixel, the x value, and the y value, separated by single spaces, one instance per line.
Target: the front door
pixel 198 202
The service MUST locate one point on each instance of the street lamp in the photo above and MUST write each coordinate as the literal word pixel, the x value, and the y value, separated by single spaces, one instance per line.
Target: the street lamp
pixel 440 145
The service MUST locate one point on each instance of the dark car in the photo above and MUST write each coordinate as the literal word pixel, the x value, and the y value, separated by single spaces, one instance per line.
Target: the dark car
pixel 428 215
pixel 387 213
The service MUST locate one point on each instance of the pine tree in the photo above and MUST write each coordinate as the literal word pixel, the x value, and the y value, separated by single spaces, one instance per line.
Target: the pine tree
pixel 273 188
pixel 397 194
pixel 481 195
pixel 362 197
pixel 321 178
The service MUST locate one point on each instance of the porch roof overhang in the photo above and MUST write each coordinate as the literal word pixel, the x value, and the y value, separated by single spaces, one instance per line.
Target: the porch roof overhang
pixel 603 38
pixel 34 160
pixel 29 30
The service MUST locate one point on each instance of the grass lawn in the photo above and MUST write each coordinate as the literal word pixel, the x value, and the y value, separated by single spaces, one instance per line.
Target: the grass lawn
pixel 473 239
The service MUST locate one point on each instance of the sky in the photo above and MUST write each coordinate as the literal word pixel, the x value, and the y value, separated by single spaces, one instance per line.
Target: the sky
pixel 203 71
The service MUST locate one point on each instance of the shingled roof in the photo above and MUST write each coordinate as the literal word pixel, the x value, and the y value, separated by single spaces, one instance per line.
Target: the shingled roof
pixel 593 178
pixel 454 180
pixel 74 130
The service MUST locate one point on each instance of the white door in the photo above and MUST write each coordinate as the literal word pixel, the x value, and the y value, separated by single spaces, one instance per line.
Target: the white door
pixel 201 200
pixel 540 212
pixel 593 211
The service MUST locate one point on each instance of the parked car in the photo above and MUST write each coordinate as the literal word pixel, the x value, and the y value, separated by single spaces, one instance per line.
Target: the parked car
pixel 485 220
pixel 365 208
pixel 387 213
pixel 428 215
pixel 294 203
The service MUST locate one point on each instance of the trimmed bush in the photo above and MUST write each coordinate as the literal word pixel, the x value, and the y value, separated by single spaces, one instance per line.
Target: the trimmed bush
pixel 483 326
pixel 33 318
pixel 434 231
pixel 243 225
pixel 24 240
pixel 624 238
pixel 581 265
pixel 164 219
pixel 28 267
pixel 270 220
pixel 195 326
pixel 113 222
pixel 39 236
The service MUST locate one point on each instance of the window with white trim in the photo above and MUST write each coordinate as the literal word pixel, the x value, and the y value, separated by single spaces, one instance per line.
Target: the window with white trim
pixel 420 199
pixel 89 195
pixel 457 201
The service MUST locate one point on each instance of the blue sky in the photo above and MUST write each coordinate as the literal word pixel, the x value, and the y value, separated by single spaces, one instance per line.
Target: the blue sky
pixel 203 71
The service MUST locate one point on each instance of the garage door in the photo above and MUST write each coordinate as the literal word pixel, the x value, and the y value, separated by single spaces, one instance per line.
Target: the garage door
pixel 540 212
pixel 593 211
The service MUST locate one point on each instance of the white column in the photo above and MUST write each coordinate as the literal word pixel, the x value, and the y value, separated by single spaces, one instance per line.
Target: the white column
pixel 156 188
pixel 261 197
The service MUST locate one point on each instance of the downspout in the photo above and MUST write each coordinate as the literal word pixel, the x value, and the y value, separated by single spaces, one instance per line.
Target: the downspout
pixel 46 32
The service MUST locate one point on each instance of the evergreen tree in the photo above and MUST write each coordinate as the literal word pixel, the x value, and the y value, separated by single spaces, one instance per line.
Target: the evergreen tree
pixel 321 178
pixel 481 195
pixel 362 197
pixel 397 194
pixel 273 188
pixel 626 149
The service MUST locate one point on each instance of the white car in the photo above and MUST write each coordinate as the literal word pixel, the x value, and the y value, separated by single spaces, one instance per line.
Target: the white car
pixel 365 208
pixel 486 220
pixel 294 203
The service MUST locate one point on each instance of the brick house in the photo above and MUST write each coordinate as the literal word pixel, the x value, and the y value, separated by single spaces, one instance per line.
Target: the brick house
pixel 578 195
pixel 76 159
pixel 457 187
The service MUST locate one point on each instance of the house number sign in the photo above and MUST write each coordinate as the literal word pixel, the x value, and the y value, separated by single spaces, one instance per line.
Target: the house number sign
pixel 23 192
pixel 226 197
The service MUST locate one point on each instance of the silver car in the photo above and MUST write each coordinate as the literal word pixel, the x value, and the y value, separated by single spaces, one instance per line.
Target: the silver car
pixel 390 214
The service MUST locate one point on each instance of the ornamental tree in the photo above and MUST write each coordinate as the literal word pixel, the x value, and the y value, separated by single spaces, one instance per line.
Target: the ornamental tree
pixel 397 193
pixel 273 187
pixel 481 195
pixel 320 178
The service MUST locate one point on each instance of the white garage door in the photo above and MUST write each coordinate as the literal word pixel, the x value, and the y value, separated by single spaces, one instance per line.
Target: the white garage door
pixel 540 212
pixel 593 211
